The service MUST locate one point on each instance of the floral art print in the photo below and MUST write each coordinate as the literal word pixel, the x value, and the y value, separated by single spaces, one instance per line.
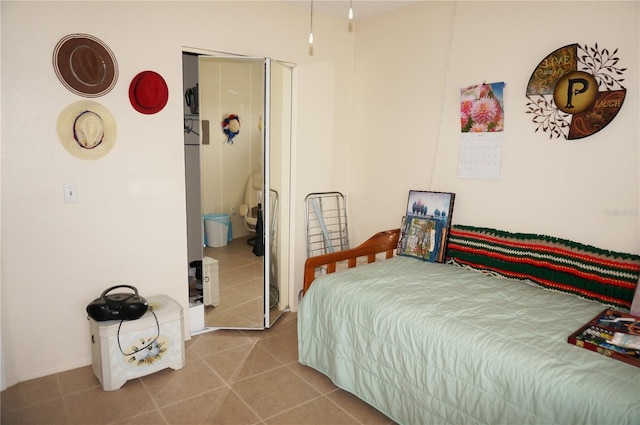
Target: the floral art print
pixel 482 108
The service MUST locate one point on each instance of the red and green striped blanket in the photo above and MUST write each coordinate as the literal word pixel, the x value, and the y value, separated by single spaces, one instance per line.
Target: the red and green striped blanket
pixel 558 264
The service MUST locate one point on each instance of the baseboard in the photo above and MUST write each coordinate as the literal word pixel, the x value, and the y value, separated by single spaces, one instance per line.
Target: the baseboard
pixel 11 381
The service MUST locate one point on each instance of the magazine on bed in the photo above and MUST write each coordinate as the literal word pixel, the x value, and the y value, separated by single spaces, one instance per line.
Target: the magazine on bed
pixel 424 230
pixel 613 334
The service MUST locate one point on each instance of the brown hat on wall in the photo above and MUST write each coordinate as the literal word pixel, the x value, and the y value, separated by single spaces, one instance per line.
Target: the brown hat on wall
pixel 148 92
pixel 85 65
pixel 87 130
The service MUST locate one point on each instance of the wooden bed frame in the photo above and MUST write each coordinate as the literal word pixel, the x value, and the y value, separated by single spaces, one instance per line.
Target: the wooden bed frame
pixel 382 242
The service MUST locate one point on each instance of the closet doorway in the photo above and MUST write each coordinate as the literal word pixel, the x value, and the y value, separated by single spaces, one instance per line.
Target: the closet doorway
pixel 237 122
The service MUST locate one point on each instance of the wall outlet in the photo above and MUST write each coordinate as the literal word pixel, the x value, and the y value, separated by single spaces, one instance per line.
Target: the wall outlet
pixel 233 210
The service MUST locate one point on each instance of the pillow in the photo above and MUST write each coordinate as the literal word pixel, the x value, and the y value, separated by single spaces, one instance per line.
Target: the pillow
pixel 605 276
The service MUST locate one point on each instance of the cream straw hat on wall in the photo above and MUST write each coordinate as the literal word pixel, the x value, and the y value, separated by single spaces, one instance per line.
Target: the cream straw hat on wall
pixel 87 130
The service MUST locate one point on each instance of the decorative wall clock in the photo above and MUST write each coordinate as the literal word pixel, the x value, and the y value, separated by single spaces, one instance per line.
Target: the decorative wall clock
pixel 576 91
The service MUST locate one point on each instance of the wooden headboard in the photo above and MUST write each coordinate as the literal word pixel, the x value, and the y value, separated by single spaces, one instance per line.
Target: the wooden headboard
pixel 382 242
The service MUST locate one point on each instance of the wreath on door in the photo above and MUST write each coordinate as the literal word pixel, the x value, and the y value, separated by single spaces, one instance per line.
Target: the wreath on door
pixel 231 127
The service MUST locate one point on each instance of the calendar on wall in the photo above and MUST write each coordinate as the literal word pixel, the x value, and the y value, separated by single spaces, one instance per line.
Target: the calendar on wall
pixel 481 132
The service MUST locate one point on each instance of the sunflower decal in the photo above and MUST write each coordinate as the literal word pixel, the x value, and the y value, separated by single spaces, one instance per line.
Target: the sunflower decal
pixel 148 351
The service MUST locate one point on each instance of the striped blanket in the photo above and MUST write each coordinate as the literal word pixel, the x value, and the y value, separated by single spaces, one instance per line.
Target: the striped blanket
pixel 557 264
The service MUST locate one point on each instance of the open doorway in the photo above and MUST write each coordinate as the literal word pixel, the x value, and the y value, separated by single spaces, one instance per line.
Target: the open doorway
pixel 252 290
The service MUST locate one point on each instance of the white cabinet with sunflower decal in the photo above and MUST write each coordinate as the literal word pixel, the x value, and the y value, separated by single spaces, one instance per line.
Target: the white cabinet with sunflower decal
pixel 129 349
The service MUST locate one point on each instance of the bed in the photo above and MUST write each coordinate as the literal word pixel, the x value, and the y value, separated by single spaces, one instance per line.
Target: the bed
pixel 464 343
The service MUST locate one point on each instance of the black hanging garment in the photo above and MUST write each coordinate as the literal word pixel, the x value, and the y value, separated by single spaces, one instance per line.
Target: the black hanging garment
pixel 258 248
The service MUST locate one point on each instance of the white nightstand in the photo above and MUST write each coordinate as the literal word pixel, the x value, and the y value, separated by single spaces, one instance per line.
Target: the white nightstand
pixel 114 345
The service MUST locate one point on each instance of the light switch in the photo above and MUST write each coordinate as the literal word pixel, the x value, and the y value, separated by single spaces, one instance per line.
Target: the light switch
pixel 70 193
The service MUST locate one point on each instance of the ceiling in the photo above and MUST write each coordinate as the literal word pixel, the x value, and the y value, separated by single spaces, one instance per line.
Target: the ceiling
pixel 362 9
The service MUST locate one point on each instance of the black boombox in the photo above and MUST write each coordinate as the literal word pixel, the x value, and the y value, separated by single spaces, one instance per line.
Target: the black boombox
pixel 118 306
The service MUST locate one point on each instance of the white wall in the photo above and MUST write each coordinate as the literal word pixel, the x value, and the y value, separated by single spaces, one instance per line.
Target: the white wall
pixel 129 224
pixel 401 72
pixel 410 67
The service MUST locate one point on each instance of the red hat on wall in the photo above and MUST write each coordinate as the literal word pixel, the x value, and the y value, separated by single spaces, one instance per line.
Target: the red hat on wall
pixel 148 92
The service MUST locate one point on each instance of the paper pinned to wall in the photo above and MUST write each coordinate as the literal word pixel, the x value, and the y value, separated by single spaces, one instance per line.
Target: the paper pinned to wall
pixel 481 136
pixel 480 156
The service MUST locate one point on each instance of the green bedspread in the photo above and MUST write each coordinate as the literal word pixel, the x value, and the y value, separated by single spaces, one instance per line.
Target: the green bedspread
pixel 430 343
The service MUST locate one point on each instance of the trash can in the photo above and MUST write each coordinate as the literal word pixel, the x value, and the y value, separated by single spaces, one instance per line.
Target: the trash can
pixel 217 229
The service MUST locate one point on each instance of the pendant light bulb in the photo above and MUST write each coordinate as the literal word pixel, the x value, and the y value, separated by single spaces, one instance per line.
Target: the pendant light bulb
pixel 351 10
pixel 310 38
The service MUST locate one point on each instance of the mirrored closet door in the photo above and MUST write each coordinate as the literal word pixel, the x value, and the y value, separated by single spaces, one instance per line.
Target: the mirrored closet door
pixel 238 277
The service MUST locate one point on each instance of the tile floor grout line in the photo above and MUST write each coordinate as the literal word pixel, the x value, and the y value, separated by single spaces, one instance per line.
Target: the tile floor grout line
pixel 264 372
pixel 227 384
pixel 65 404
pixel 260 419
pixel 343 409
pixel 153 400
pixel 193 396
pixel 297 406
pixel 309 382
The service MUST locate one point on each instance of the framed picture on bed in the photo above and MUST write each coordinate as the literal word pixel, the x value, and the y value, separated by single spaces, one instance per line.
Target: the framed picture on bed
pixel 425 226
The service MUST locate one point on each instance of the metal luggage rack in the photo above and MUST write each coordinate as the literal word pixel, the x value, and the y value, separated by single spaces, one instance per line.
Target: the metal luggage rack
pixel 326 223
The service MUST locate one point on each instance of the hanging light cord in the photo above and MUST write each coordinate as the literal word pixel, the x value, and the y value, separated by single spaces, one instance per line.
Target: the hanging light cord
pixel 311 25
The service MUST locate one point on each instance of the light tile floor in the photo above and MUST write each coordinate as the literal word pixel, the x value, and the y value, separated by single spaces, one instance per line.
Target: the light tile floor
pixel 241 286
pixel 230 377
